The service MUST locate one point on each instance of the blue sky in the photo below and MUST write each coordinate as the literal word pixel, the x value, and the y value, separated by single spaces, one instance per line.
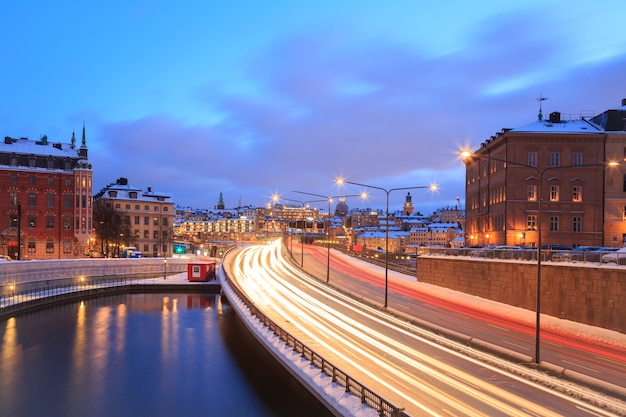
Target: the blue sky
pixel 252 98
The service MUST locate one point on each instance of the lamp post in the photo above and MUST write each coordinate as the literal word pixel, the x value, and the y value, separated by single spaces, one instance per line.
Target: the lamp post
pixel 19 230
pixel 330 200
pixel 540 173
pixel 432 187
pixel 164 268
pixel 302 203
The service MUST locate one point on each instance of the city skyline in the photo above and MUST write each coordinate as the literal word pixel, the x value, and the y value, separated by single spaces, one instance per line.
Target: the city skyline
pixel 199 99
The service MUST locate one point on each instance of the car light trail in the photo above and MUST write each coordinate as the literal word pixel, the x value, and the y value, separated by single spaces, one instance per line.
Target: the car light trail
pixel 377 351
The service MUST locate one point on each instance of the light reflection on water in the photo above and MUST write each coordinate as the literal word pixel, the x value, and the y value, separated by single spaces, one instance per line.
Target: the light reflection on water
pixel 142 355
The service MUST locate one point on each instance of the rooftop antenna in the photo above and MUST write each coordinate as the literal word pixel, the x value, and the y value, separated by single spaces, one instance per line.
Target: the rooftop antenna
pixel 540 99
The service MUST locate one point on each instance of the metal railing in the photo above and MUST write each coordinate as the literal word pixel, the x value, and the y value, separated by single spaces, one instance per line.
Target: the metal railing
pixel 351 385
pixel 15 296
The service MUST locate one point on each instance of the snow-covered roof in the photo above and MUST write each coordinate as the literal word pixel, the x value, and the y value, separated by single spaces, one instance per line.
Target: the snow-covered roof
pixel 563 126
pixel 25 146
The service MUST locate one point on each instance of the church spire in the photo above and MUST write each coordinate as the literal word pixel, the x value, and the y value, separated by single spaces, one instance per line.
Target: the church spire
pixel 82 152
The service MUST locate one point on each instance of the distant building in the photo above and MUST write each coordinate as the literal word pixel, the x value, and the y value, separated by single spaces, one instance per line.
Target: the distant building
pixel 46 194
pixel 149 216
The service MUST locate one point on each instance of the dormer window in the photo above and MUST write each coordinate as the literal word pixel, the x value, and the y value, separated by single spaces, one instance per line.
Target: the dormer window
pixel 132 194
pixel 112 194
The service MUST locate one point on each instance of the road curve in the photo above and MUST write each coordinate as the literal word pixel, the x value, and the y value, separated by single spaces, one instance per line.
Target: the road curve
pixel 388 355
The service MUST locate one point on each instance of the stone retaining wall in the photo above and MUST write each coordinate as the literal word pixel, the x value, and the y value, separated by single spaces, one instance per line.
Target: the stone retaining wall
pixel 594 295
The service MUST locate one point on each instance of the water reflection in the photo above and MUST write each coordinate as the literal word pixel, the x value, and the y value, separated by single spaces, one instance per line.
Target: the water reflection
pixel 142 354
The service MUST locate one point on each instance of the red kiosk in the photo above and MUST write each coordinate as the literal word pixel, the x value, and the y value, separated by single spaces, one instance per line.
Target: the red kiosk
pixel 201 271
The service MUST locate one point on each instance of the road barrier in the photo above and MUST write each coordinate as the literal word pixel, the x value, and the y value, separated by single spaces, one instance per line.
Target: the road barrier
pixel 351 385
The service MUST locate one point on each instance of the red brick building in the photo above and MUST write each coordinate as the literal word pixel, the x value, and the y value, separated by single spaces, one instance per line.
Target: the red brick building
pixel 554 174
pixel 45 198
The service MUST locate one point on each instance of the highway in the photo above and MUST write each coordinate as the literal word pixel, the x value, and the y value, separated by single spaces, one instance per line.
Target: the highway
pixel 392 358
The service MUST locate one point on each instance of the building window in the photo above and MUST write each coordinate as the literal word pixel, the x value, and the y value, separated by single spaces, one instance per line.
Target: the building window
pixel 155 221
pixel 137 220
pixel 126 219
pixel 577 193
pixel 146 234
pixel 531 222
pixel 13 161
pixel 49 221
pixel 50 200
pixel 146 220
pixel 155 248
pixel 532 192
pixel 532 159
pixel 155 233
pixel 13 179
pixel 577 159
pixel 68 182
pixel 50 181
pixel 13 220
pixel 32 199
pixel 49 247
pixel 136 206
pixel 32 221
pixel 165 208
pixel 67 247
pixel 577 224
pixel 132 194
pixel 32 180
pixel 624 186
pixel 554 223
pixel 67 222
pixel 165 223
pixel 32 247
pixel 67 201
pixel 118 205
pixel 146 248
pixel 554 193
pixel 127 207
pixel 624 213
pixel 113 194
pixel 555 159
pixel 32 162
pixel 13 198
pixel 136 233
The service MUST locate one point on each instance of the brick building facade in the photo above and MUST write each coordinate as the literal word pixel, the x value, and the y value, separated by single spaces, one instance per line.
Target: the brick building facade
pixel 45 198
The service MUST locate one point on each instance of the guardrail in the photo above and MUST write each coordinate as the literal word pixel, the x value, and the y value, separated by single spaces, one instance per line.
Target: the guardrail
pixel 351 385
pixel 19 295
pixel 530 254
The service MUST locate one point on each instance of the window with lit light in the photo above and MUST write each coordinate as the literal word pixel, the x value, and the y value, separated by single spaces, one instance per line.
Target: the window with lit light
pixel 577 193
pixel 554 193
pixel 531 222
pixel 532 192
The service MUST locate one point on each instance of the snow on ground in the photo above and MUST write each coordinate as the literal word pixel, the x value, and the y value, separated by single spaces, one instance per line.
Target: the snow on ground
pixel 578 330
pixel 332 393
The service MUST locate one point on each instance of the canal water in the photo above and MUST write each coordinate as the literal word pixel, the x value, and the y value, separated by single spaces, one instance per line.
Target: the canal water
pixel 142 355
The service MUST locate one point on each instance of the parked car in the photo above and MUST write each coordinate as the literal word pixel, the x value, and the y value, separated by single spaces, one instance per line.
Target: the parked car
pixel 617 257
pixel 5 258
pixel 577 254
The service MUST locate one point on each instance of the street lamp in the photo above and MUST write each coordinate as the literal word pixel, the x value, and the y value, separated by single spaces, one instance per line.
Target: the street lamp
pixel 164 268
pixel 432 187
pixel 330 200
pixel 302 203
pixel 540 172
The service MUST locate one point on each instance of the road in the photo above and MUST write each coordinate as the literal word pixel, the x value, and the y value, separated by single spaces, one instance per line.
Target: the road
pixel 391 357
pixel 576 348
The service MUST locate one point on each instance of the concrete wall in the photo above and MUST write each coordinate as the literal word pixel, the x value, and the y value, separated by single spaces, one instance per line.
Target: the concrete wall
pixel 19 272
pixel 594 295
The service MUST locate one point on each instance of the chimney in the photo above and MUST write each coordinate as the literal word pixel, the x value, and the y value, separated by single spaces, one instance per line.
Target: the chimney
pixel 122 181
pixel 624 102
pixel 555 117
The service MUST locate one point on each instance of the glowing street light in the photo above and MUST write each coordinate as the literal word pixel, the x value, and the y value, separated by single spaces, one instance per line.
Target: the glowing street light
pixel 432 187
pixel 330 200
pixel 466 155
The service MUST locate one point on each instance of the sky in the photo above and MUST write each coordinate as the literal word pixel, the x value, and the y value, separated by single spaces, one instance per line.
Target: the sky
pixel 253 99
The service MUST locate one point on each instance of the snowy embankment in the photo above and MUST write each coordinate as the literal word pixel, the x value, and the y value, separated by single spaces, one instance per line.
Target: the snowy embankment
pixel 332 394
